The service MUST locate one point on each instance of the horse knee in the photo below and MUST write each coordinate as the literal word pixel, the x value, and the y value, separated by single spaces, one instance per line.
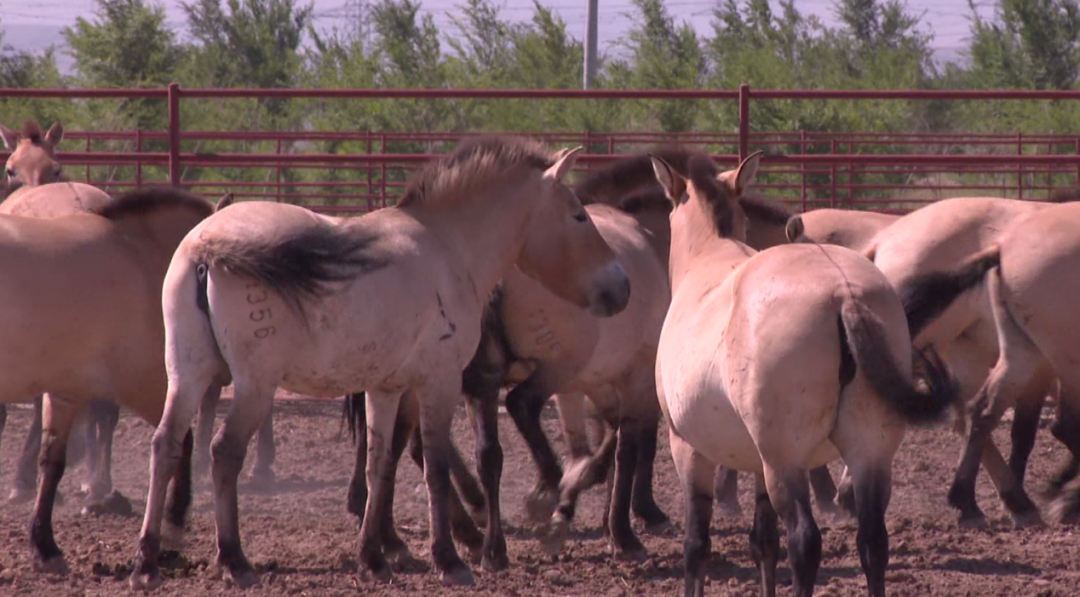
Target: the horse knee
pixel 490 456
pixel 227 455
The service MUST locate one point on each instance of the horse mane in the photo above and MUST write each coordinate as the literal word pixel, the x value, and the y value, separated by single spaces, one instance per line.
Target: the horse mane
pixel 31 131
pixel 757 207
pixel 645 200
pixel 623 177
pixel 150 199
pixel 477 162
pixel 702 171
pixel 1064 194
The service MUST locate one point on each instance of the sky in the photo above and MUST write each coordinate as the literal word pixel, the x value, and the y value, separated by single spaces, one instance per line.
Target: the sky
pixel 34 24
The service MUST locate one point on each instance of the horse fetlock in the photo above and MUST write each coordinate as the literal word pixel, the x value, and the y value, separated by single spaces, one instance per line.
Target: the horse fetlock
pixel 457 576
pixel 237 571
pixel 398 554
pixel 495 558
pixel 628 549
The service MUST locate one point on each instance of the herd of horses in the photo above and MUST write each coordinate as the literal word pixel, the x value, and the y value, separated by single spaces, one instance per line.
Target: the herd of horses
pixel 657 286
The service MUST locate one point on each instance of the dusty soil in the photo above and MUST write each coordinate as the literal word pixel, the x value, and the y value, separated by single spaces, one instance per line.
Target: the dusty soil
pixel 303 541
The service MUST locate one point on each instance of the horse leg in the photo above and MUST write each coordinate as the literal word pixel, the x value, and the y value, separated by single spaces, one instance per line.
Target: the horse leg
pixel 644 503
pixel 824 490
pixel 250 405
pixel 583 475
pixel 572 415
pixel 726 489
pixel 1019 370
pixel 58 417
pixel 263 473
pixel 764 538
pixel 1066 429
pixel 437 405
pixel 166 463
pixel 624 542
pixel 381 413
pixel 104 415
pixel 462 526
pixel 696 474
pixel 525 403
pixel 26 471
pixel 489 465
pixel 468 488
pixel 789 492
pixel 204 431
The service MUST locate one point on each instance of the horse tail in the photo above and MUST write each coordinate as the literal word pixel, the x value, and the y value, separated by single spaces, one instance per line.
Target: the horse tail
pixel 299 265
pixel 864 340
pixel 355 413
pixel 927 296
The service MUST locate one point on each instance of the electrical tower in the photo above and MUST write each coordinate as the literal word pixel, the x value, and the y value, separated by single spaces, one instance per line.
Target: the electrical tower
pixel 590 43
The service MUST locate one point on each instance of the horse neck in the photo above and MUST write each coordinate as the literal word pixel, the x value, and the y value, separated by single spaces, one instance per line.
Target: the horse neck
pixel 695 243
pixel 659 226
pixel 486 233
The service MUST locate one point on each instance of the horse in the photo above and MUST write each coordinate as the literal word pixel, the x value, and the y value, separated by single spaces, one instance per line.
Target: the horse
pixel 1031 298
pixel 388 303
pixel 117 261
pixel 939 236
pixel 776 362
pixel 37 188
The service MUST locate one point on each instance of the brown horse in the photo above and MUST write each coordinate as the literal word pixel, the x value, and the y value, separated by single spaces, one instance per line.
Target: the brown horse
pixel 388 303
pixel 117 261
pixel 746 333
pixel 33 154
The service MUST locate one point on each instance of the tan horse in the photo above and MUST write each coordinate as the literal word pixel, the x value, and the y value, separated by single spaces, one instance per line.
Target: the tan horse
pixel 36 189
pixel 389 303
pixel 939 236
pixel 1033 301
pixel 116 261
pixel 778 362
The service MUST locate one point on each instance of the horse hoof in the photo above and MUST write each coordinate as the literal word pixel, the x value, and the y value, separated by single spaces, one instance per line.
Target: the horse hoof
pixel 398 556
pixel 540 504
pixel 974 522
pixel 459 576
pixel 173 537
pixel 1030 519
pixel 54 565
pixel 1064 510
pixel 383 575
pixel 556 536
pixel 658 527
pixel 144 582
pixel 113 503
pixel 636 554
pixel 496 562
pixel 243 580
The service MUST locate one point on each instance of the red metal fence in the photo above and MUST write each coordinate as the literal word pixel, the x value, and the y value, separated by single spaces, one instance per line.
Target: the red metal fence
pixel 805 169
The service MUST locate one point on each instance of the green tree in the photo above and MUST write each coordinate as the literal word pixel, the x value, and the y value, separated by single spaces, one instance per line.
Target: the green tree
pixel 1029 44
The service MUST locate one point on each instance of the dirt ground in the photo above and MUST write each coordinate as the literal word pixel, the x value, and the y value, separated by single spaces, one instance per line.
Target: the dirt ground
pixel 303 542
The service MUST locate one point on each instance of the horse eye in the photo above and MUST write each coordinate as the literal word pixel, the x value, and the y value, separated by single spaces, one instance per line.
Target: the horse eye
pixel 580 216
pixel 11 173
pixel 56 172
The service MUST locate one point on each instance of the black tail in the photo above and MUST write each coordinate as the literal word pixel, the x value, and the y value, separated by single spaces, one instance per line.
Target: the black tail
pixel 867 342
pixel 355 414
pixel 927 296
pixel 299 265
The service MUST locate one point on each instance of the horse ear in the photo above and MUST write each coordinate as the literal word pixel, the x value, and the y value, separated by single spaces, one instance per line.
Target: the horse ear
pixel 794 228
pixel 564 162
pixel 55 134
pixel 11 138
pixel 674 184
pixel 224 202
pixel 744 174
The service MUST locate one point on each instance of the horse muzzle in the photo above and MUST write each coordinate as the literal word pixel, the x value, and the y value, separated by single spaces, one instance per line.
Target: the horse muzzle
pixel 611 291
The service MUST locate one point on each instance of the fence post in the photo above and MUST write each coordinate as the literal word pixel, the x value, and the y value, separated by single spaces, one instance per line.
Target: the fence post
pixel 832 173
pixel 278 170
pixel 744 121
pixel 174 134
pixel 802 166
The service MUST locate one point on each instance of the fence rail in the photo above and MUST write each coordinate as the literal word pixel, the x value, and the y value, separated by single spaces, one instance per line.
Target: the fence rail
pixel 805 168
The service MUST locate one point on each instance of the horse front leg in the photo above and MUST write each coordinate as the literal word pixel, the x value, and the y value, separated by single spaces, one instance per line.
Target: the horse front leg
pixel 58 417
pixel 102 419
pixel 489 465
pixel 525 403
pixel 644 503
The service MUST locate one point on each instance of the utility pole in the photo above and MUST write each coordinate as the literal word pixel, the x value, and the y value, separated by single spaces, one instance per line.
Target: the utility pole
pixel 590 44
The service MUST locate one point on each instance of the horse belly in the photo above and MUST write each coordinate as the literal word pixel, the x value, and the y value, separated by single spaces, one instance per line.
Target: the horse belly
pixel 711 425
